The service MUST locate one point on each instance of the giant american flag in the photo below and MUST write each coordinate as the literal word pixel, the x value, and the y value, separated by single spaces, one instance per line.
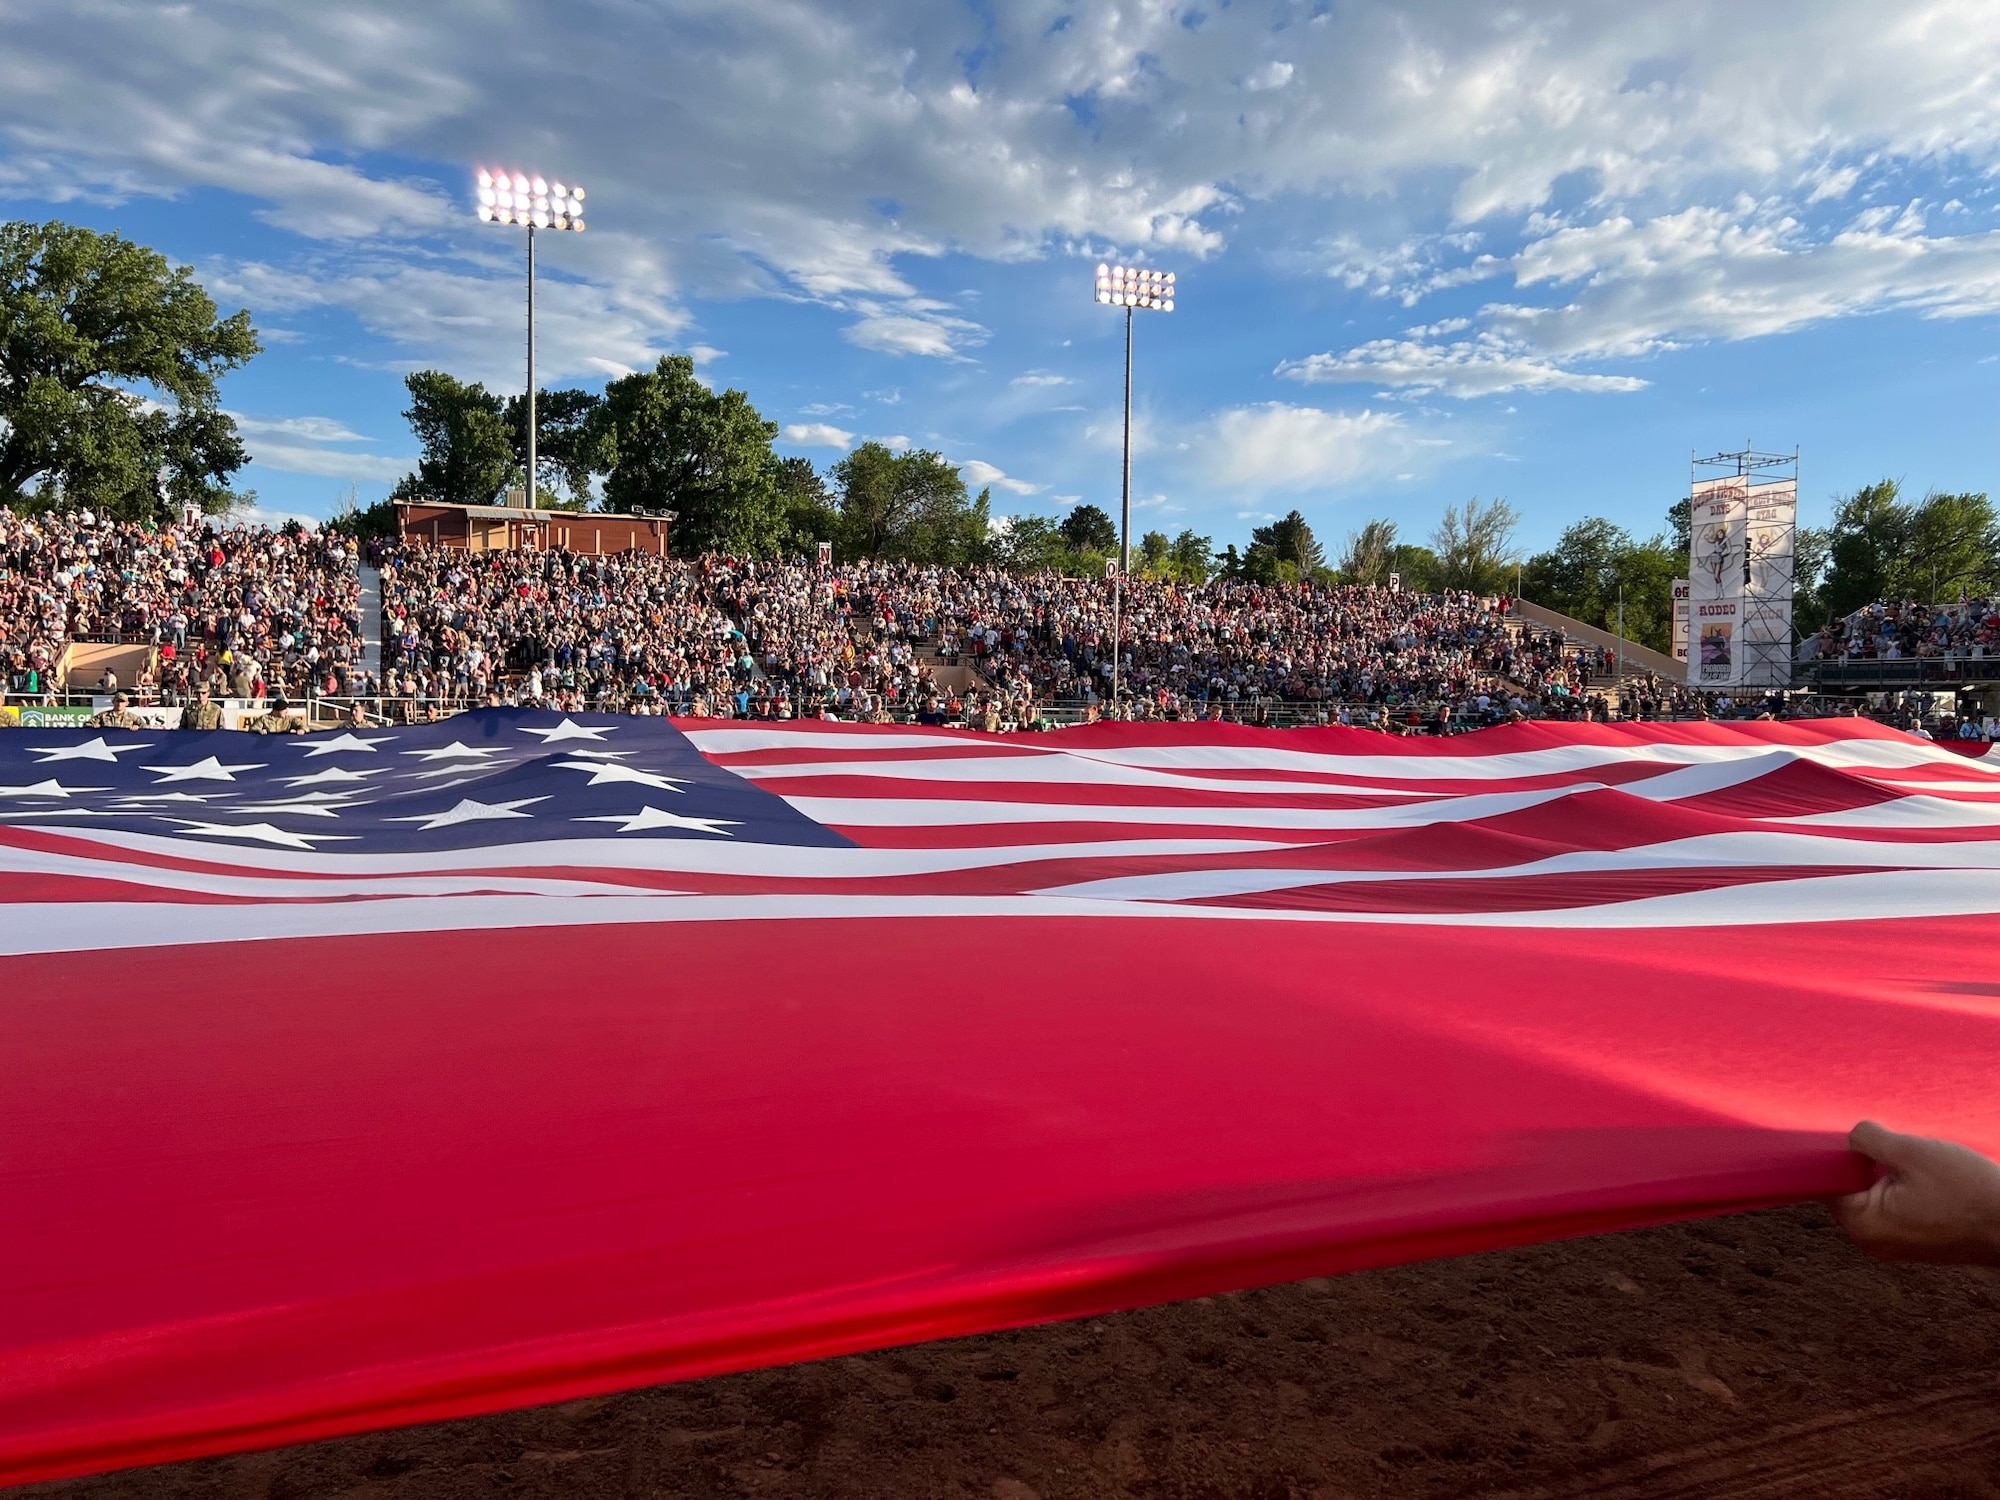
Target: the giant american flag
pixel 366 1077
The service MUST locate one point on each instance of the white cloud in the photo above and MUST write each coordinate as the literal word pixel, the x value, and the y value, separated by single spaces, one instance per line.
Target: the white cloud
pixel 1628 287
pixel 470 317
pixel 264 515
pixel 1276 446
pixel 1272 75
pixel 304 458
pixel 304 445
pixel 308 429
pixel 891 331
pixel 817 435
pixel 1040 378
pixel 981 475
pixel 1474 367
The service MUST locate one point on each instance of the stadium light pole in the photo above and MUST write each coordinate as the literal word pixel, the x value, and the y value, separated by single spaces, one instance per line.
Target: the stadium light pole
pixel 532 202
pixel 1132 288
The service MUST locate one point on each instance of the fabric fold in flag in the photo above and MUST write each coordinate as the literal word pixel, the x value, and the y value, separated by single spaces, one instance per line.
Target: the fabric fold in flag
pixel 532 1056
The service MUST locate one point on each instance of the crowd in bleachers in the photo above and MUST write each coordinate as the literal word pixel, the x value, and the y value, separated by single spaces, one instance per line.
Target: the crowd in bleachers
pixel 741 638
pixel 248 609
pixel 1905 630
pixel 255 612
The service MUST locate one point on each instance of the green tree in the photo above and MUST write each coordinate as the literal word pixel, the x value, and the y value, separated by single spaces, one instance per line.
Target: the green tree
pixel 1580 572
pixel 1952 548
pixel 1680 525
pixel 1416 568
pixel 1474 544
pixel 465 451
pixel 1088 529
pixel 1192 557
pixel 1033 544
pixel 1284 552
pixel 673 444
pixel 1809 559
pixel 570 446
pixel 109 359
pixel 1596 563
pixel 806 505
pixel 1155 554
pixel 910 506
pixel 1869 537
pixel 1367 559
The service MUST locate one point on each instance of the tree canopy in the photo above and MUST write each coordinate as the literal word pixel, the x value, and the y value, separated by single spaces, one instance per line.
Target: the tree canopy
pixel 673 444
pixel 109 360
pixel 1187 558
pixel 910 507
pixel 1595 563
pixel 1284 552
pixel 1882 546
pixel 1474 545
pixel 570 445
pixel 465 444
pixel 1088 528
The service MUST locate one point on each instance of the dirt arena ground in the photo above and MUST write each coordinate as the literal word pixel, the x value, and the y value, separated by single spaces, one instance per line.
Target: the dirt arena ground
pixel 1750 1356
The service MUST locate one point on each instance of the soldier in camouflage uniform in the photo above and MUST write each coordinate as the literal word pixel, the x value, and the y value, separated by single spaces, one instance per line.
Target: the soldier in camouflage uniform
pixel 277 721
pixel 118 716
pixel 202 713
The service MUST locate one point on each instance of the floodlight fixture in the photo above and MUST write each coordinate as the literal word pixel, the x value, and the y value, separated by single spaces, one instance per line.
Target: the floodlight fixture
pixel 510 198
pixel 1136 287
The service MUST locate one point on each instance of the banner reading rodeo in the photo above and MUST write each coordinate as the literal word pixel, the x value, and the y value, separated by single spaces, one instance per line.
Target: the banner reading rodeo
pixel 1740 582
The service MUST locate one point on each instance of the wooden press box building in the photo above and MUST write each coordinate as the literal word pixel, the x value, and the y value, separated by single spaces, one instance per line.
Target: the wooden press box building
pixel 505 528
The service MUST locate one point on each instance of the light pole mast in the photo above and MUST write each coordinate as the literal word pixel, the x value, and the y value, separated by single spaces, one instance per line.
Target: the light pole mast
pixel 515 198
pixel 1125 489
pixel 1131 288
pixel 531 365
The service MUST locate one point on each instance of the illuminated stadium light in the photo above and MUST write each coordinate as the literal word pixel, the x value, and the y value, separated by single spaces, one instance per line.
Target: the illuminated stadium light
pixel 513 198
pixel 1136 287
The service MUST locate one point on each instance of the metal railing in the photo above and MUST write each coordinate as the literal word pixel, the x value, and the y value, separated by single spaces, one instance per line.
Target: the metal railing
pixel 1879 675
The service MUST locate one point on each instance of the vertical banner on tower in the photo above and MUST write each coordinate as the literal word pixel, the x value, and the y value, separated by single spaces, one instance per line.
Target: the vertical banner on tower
pixel 1716 560
pixel 1770 535
pixel 1681 609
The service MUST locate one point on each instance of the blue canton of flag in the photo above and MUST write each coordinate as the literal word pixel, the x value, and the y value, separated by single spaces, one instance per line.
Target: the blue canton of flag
pixel 485 779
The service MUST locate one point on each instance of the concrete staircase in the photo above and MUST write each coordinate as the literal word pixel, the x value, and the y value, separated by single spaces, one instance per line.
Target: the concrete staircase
pixel 371 619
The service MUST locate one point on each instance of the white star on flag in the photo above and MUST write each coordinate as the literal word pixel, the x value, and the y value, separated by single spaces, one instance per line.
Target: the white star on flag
pixel 49 788
pixel 469 811
pixel 95 749
pixel 169 797
pixel 453 751
pixel 263 833
pixel 569 729
pixel 653 817
pixel 347 742
pixel 330 774
pixel 210 769
pixel 603 771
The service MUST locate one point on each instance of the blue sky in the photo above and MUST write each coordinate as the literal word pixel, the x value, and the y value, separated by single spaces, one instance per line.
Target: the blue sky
pixel 1425 251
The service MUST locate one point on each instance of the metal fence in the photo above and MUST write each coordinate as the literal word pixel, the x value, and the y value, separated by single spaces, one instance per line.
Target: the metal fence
pixel 1933 672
